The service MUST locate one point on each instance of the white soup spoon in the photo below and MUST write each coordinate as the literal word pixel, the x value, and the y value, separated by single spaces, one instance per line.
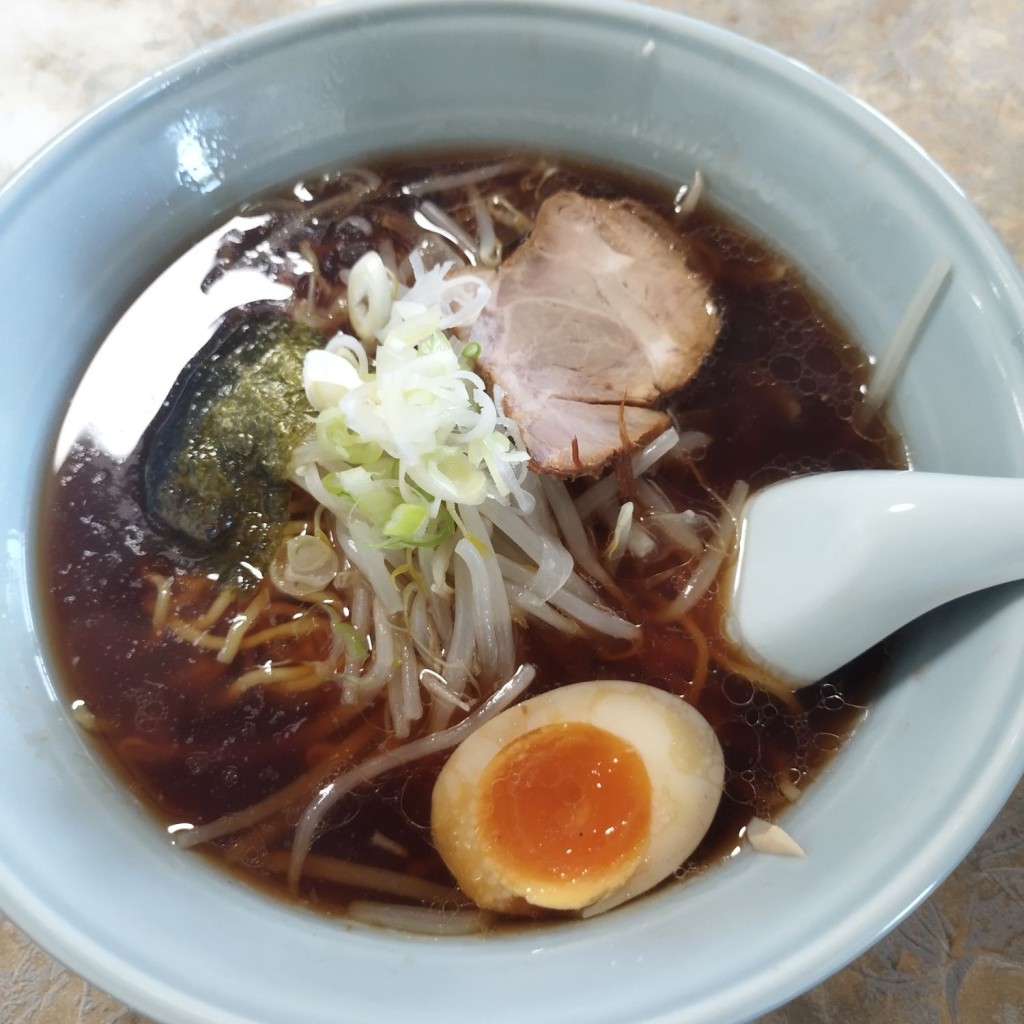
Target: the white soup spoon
pixel 829 565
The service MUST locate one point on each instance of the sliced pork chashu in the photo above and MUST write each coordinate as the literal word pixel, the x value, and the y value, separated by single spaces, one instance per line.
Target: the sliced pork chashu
pixel 591 321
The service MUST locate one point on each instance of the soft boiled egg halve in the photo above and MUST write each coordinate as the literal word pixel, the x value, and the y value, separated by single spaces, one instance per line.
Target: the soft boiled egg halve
pixel 578 799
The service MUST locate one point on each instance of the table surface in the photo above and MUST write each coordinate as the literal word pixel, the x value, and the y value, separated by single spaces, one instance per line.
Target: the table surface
pixel 947 72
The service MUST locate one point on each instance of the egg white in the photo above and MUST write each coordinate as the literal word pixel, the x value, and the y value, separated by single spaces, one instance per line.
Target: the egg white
pixel 678 748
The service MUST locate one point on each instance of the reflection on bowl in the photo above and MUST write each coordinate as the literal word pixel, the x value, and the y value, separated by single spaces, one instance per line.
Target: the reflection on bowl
pixel 850 202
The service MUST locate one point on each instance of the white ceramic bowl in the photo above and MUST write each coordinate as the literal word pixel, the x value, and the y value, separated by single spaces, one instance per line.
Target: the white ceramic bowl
pixel 857 206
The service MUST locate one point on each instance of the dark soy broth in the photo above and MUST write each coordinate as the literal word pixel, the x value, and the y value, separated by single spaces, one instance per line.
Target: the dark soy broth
pixel 777 397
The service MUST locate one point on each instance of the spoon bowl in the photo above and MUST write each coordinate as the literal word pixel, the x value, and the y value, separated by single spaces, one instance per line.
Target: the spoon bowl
pixel 828 565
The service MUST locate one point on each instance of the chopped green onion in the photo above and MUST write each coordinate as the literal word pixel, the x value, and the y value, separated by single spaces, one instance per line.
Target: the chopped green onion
pixel 401 434
pixel 371 291
pixel 408 523
pixel 333 433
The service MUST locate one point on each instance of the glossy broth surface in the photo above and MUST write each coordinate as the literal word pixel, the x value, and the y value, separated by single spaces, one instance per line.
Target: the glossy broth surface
pixel 777 397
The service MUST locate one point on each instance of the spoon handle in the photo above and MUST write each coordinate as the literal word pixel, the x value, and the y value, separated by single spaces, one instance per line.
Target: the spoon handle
pixel 829 565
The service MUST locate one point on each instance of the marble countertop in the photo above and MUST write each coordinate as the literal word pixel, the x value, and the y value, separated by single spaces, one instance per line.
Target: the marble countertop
pixel 945 71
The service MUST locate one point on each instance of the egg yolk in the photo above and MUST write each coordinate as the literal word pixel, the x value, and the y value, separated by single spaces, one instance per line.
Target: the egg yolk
pixel 566 803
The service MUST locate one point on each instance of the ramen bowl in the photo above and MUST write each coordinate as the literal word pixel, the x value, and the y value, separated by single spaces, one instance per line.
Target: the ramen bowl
pixel 85 870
